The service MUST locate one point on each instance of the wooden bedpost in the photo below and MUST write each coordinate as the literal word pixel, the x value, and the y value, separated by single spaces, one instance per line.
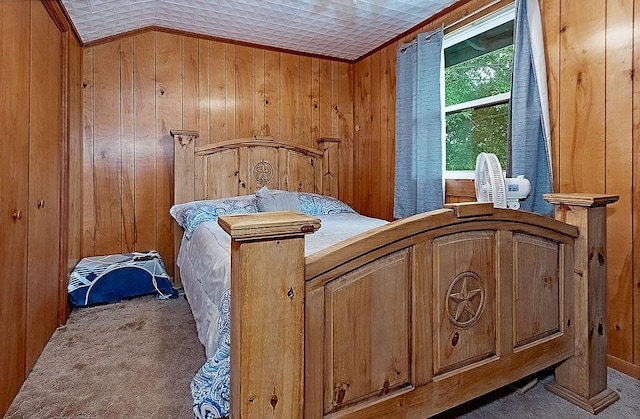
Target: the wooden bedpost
pixel 582 379
pixel 183 185
pixel 267 312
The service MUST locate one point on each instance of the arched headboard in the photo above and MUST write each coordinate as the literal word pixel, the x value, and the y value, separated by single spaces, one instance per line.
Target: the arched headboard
pixel 242 166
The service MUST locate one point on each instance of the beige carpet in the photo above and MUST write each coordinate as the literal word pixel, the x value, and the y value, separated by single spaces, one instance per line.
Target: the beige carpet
pixel 136 360
pixel 129 360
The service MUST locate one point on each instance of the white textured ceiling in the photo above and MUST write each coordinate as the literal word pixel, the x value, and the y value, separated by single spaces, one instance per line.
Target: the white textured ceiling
pixel 344 29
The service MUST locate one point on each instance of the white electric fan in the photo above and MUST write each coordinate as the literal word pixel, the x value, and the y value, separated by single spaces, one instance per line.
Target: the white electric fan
pixel 492 186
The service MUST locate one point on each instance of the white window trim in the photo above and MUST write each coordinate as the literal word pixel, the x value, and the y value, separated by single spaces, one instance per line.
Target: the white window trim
pixel 459 174
pixel 470 30
pixel 478 103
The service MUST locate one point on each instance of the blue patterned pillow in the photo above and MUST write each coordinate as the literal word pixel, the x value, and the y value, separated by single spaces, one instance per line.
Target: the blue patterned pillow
pixel 191 214
pixel 314 204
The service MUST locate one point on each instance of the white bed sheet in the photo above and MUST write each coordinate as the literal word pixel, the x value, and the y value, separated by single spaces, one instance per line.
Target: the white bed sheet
pixel 205 265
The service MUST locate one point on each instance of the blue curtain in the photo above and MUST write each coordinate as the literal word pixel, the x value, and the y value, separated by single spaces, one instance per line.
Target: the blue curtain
pixel 419 185
pixel 530 133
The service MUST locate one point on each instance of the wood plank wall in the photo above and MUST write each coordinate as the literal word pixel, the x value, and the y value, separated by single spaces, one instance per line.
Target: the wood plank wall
pixel 73 164
pixel 138 88
pixel 592 46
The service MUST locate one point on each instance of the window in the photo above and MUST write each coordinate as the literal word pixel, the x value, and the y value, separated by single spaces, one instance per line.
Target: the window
pixel 477 77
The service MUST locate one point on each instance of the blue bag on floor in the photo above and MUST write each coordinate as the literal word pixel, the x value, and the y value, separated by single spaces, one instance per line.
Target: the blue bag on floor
pixel 113 278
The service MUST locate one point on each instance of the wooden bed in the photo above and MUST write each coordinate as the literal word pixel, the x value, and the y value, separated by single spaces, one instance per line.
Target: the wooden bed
pixel 411 318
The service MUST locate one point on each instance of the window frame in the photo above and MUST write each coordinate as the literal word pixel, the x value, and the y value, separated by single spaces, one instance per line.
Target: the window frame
pixel 467 31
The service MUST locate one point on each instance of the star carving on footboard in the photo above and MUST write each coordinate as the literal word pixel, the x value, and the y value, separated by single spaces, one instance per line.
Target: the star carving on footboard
pixel 465 300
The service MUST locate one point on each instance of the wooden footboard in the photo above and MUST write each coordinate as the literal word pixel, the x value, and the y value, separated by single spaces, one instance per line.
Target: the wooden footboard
pixel 420 315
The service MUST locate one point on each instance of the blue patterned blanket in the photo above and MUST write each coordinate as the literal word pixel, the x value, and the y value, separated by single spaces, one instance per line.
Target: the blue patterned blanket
pixel 210 386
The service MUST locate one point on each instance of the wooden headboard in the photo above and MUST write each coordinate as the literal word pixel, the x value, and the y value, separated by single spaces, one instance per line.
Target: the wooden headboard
pixel 242 166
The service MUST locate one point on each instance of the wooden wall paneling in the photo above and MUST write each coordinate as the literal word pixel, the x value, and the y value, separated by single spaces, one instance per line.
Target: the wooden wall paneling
pixel 636 185
pixel 344 93
pixel 190 77
pixel 218 93
pixel 88 242
pixel 144 161
pixel 390 75
pixel 582 89
pixel 14 122
pixel 550 9
pixel 305 99
pixel 63 207
pixel 127 133
pixel 245 91
pixel 314 131
pixel 204 91
pixel 107 149
pixel 619 163
pixel 259 127
pixel 231 111
pixel 336 90
pixel 272 94
pixel 376 135
pixel 289 97
pixel 357 163
pixel 383 160
pixel 45 156
pixel 325 100
pixel 364 139
pixel 74 177
pixel 169 97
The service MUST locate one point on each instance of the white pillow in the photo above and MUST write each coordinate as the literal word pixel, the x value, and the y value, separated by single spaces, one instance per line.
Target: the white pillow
pixel 276 200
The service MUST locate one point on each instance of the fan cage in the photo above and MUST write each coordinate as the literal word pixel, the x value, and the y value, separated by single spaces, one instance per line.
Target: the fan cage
pixel 489 182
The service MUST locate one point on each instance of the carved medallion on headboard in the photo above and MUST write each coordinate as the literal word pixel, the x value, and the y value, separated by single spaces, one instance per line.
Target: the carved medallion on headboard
pixel 263 172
